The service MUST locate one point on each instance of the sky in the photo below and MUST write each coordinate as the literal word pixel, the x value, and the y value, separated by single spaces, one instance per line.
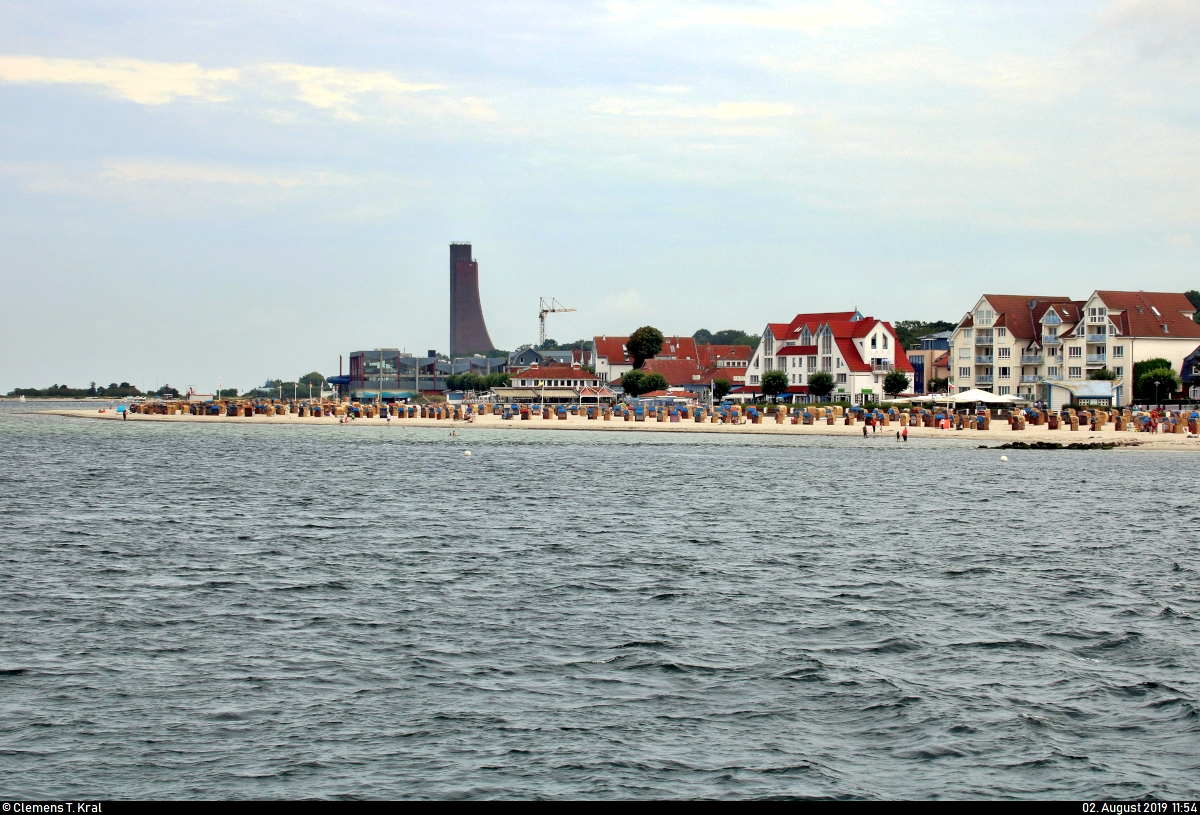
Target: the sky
pixel 192 191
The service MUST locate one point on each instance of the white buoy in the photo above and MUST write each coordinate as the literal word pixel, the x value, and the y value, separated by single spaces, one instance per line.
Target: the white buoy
pixel 1004 458
pixel 467 453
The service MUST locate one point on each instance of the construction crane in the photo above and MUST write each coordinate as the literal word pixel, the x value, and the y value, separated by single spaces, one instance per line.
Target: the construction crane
pixel 544 308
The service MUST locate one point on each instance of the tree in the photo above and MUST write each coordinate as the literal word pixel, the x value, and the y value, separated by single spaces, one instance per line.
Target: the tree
pixel 721 388
pixel 314 378
pixel 821 384
pixel 1103 374
pixel 644 344
pixel 939 384
pixel 1193 297
pixel 1168 383
pixel 1140 369
pixel 728 336
pixel 774 383
pixel 631 382
pixel 548 345
pixel 909 332
pixel 894 382
pixel 654 382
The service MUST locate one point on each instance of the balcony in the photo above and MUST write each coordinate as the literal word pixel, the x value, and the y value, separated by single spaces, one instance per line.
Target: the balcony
pixel 982 360
pixel 1032 360
pixel 1053 377
pixel 882 367
pixel 1048 340
pixel 1097 359
pixel 1097 339
pixel 984 340
pixel 985 379
pixel 1029 380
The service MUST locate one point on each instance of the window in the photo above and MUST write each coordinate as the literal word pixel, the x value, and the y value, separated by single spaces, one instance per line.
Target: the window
pixel 1005 373
pixel 1001 332
pixel 826 363
pixel 827 344
pixel 984 316
pixel 1119 371
pixel 1004 390
pixel 812 363
pixel 964 372
pixel 966 333
pixel 1051 331
pixel 1052 370
pixel 1118 351
pixel 874 341
pixel 841 379
pixel 1075 372
pixel 769 362
pixel 885 340
pixel 769 344
pixel 1004 353
pixel 839 362
pixel 1075 352
pixel 753 380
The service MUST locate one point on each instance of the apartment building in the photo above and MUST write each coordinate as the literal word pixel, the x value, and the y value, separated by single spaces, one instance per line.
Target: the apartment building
pixel 1028 346
pixel 858 351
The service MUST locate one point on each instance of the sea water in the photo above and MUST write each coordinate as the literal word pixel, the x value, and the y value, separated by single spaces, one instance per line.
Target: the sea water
pixel 225 611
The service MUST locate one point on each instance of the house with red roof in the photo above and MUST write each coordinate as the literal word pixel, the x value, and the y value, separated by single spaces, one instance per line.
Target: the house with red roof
pixel 1045 348
pixel 857 351
pixel 682 362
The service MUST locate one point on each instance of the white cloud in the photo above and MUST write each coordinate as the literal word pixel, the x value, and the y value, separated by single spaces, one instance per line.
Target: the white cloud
pixel 348 93
pixel 338 89
pixel 147 83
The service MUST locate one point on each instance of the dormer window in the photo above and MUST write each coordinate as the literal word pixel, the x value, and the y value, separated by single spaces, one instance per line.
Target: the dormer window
pixel 873 341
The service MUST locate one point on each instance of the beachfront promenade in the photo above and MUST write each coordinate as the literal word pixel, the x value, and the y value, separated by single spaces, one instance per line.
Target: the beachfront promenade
pixel 999 431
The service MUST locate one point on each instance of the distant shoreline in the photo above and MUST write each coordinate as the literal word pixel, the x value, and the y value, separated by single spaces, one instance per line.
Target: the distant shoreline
pixel 999 432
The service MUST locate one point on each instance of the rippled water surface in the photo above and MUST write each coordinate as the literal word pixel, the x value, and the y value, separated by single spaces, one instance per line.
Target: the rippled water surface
pixel 225 611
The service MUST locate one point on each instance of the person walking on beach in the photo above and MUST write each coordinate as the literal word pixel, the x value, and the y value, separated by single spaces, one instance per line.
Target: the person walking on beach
pixel 864 431
pixel 905 434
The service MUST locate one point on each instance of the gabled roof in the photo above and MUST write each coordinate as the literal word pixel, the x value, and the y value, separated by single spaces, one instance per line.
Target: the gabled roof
pixel 1019 313
pixel 612 349
pixel 678 372
pixel 709 354
pixel 849 353
pixel 553 372
pixel 787 331
pixel 1147 313
pixel 730 375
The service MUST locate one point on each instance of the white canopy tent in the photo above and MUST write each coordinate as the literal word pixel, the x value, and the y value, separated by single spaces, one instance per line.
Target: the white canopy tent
pixel 969 397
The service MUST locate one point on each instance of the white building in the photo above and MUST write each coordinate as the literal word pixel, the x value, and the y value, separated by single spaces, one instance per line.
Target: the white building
pixel 1026 346
pixel 858 351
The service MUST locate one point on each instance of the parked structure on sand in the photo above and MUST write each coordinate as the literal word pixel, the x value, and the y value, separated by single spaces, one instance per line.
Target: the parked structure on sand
pixel 468 331
pixel 1045 348
pixel 857 351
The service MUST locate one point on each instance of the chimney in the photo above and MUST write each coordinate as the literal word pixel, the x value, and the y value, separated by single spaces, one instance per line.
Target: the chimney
pixel 575 365
pixel 533 365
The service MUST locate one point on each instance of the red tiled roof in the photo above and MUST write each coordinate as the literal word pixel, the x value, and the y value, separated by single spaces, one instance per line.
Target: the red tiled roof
pixel 1174 311
pixel 1020 312
pixel 709 354
pixel 613 349
pixel 797 350
pixel 849 353
pixel 676 371
pixel 679 347
pixel 728 374
pixel 553 372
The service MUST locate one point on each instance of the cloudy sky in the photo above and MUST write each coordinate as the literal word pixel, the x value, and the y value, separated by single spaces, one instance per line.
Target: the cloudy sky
pixel 246 190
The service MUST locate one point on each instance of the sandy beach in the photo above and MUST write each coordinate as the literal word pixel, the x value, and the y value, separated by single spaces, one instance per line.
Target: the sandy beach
pixel 999 432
